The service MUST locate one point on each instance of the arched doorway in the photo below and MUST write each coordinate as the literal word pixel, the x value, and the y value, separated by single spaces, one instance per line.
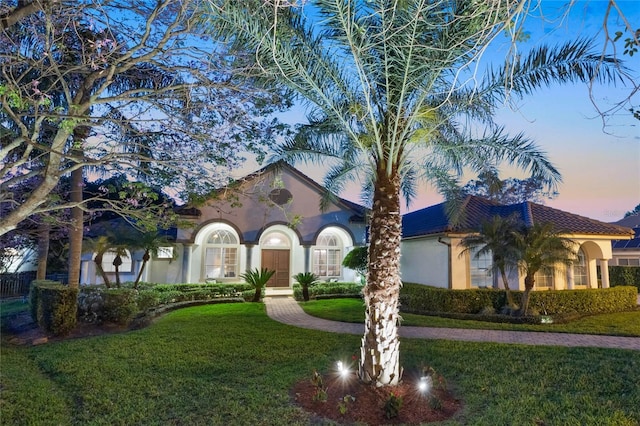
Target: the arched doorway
pixel 276 256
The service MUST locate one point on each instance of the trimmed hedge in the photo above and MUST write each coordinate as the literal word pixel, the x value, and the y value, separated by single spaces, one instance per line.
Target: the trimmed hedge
pixel 56 307
pixel 210 289
pixel 98 304
pixel 590 301
pixel 329 290
pixel 119 305
pixel 624 275
pixel 420 298
pixel 416 298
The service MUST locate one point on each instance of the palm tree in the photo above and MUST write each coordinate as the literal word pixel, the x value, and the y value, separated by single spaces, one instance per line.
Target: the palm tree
pixel 120 251
pixel 540 247
pixel 99 246
pixel 258 278
pixel 380 79
pixel 305 279
pixel 497 238
pixel 150 242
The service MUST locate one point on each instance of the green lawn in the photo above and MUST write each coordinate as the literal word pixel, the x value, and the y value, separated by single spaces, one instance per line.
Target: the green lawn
pixel 232 365
pixel 13 306
pixel 352 310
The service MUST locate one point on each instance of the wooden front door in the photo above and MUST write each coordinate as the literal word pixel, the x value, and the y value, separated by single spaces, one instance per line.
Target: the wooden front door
pixel 277 260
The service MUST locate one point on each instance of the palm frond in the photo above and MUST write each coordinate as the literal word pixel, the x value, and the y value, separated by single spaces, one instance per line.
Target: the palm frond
pixel 571 62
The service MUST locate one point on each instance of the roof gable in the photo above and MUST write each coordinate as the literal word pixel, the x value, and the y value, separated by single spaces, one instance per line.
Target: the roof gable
pixel 357 210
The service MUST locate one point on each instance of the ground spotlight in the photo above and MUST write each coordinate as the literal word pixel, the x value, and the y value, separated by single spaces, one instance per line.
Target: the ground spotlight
pixel 343 370
pixel 424 384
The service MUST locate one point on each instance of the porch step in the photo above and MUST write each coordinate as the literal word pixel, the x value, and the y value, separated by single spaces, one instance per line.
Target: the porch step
pixel 278 291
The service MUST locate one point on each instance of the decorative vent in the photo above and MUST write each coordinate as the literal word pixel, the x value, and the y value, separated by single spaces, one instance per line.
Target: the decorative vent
pixel 280 196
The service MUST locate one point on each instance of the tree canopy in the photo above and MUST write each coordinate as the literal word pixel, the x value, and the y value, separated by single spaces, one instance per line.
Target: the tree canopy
pixel 159 99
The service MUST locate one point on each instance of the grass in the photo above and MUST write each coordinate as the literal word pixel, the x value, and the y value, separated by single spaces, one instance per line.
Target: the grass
pixel 232 365
pixel 352 310
pixel 12 306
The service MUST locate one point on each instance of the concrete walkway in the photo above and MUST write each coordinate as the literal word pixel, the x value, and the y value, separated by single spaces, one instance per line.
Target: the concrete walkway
pixel 286 310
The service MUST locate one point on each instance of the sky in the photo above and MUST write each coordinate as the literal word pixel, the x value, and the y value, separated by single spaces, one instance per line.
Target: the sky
pixel 599 161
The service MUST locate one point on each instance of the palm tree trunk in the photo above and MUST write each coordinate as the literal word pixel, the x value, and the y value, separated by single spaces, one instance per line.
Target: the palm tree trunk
pixel 380 350
pixel 145 258
pixel 507 290
pixel 529 281
pixel 100 269
pixel 117 261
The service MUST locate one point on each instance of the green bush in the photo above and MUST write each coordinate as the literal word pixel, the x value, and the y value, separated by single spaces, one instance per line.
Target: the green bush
pixel 147 299
pixel 56 307
pixel 119 305
pixel 420 298
pixel 591 301
pixel 624 275
pixel 416 298
pixel 33 296
pixel 323 289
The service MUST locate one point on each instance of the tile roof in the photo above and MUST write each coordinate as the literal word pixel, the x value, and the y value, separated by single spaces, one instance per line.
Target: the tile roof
pixel 473 211
pixel 632 221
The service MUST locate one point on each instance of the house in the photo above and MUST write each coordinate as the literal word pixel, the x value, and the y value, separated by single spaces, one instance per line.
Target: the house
pixel 627 252
pixel 269 219
pixel 432 254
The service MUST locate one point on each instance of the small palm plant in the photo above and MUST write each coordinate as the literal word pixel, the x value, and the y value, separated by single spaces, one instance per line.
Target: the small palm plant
pixel 258 278
pixel 305 279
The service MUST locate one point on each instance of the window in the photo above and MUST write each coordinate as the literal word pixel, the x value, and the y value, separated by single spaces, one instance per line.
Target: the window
pixel 107 262
pixel 480 268
pixel 221 255
pixel 165 253
pixel 544 279
pixel 327 258
pixel 628 262
pixel 276 239
pixel 580 276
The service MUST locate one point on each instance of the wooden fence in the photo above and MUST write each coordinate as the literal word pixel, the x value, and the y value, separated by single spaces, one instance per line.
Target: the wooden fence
pixel 16 284
pixel 19 284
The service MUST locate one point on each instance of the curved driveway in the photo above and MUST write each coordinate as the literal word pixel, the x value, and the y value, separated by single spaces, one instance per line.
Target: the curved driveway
pixel 286 310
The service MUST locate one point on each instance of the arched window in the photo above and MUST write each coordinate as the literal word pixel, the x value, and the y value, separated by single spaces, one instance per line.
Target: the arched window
pixel 580 275
pixel 480 268
pixel 327 256
pixel 276 239
pixel 221 254
pixel 107 261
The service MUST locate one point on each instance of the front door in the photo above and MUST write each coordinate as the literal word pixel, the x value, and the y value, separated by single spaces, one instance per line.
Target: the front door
pixel 277 260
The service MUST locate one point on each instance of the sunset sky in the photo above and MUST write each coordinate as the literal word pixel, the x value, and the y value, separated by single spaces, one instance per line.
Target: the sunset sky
pixel 599 162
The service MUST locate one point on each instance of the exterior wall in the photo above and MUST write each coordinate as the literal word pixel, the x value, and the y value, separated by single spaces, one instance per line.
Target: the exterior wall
pixel 424 261
pixel 252 216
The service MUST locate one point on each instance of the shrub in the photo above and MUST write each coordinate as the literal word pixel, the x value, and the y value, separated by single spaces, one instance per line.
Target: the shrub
pixel 91 304
pixel 56 307
pixel 147 299
pixel 329 290
pixel 33 296
pixel 624 275
pixel 591 301
pixel 119 305
pixel 422 299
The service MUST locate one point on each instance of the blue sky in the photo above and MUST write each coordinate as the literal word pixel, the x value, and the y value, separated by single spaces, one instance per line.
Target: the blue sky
pixel 599 161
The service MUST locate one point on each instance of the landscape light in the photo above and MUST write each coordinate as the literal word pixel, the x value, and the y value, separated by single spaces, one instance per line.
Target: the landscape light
pixel 424 385
pixel 342 369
